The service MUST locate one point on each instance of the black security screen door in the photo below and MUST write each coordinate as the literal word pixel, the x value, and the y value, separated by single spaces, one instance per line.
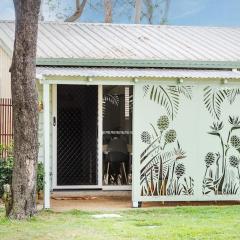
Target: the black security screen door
pixel 77 135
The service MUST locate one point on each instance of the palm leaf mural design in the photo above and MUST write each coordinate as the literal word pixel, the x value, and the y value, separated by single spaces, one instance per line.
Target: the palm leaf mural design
pixel 110 100
pixel 232 94
pixel 162 172
pixel 213 98
pixel 219 166
pixel 225 179
pixel 155 161
pixel 167 96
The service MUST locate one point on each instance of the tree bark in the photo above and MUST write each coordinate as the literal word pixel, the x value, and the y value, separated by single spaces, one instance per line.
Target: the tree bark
pixel 25 109
pixel 78 12
pixel 107 11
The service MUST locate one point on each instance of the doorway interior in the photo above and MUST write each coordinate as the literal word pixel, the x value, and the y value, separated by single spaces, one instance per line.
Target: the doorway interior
pixel 92 137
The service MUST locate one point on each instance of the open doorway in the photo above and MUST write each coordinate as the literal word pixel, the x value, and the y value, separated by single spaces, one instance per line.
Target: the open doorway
pixel 92 137
pixel 117 137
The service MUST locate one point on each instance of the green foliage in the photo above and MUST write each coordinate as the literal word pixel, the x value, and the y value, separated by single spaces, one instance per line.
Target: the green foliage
pixel 5 172
pixel 6 166
pixel 40 177
pixel 6 169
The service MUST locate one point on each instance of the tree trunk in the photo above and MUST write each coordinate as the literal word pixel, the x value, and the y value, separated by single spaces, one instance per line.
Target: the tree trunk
pixel 138 9
pixel 25 109
pixel 107 11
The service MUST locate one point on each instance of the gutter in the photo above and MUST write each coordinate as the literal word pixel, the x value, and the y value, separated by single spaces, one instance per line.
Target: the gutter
pixel 137 63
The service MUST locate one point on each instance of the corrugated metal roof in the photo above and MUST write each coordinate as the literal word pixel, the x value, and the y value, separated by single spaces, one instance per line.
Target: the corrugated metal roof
pixel 131 42
pixel 135 72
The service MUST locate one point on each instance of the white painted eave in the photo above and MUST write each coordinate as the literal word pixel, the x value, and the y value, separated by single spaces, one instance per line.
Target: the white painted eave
pixel 94 72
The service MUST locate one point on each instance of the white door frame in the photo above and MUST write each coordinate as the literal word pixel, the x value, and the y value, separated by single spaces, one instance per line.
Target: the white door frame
pixel 54 144
pixel 99 146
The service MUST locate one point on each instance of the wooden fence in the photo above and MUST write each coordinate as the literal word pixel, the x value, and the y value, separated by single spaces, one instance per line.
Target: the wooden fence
pixel 6 126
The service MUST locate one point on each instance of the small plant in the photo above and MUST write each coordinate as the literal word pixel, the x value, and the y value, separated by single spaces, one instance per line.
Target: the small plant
pixel 6 170
pixel 6 166
pixel 40 178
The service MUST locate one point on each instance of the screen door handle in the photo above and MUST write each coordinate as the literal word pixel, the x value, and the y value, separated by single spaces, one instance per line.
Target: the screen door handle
pixel 54 121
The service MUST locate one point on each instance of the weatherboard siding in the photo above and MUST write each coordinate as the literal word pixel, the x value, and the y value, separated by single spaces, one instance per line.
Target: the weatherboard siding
pixel 5 77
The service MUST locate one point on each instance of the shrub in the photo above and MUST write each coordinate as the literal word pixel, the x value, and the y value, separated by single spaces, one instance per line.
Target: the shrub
pixel 6 168
pixel 40 177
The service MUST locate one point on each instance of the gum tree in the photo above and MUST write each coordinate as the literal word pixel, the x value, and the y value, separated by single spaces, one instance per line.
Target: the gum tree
pixel 25 109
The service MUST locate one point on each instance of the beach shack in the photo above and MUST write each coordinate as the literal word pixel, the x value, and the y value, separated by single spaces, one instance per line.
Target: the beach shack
pixel 150 109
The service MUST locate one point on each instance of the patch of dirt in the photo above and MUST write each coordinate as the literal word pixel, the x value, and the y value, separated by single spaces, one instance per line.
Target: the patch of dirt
pixel 88 203
pixel 74 198
pixel 113 203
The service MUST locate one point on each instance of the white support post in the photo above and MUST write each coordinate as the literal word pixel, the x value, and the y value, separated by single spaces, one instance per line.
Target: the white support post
pixel 46 121
pixel 100 127
pixel 135 167
pixel 54 136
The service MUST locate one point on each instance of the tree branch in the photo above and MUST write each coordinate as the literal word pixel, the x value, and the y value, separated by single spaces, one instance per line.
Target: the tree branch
pixel 138 10
pixel 166 11
pixel 107 11
pixel 78 12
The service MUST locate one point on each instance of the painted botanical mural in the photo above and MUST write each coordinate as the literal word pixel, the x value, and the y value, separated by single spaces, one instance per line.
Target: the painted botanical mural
pixel 189 141
pixel 222 175
pixel 163 171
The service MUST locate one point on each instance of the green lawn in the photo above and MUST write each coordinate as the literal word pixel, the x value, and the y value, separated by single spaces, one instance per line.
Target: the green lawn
pixel 212 222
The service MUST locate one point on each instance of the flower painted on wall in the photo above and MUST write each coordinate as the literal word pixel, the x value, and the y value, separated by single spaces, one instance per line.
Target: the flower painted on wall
pixel 180 170
pixel 209 159
pixel 235 141
pixel 163 123
pixel 234 161
pixel 146 138
pixel 222 175
pixel 162 172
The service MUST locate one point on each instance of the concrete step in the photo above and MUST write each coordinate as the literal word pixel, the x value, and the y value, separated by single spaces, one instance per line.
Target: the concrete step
pixel 89 193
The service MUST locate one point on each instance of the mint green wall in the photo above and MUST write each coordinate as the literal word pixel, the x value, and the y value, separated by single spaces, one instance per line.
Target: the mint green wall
pixel 40 131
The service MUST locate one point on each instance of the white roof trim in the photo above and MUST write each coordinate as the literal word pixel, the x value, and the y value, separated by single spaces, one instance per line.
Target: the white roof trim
pixel 134 73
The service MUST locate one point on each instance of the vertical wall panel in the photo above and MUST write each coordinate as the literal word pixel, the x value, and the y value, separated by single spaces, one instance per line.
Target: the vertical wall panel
pixel 187 141
pixel 5 77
